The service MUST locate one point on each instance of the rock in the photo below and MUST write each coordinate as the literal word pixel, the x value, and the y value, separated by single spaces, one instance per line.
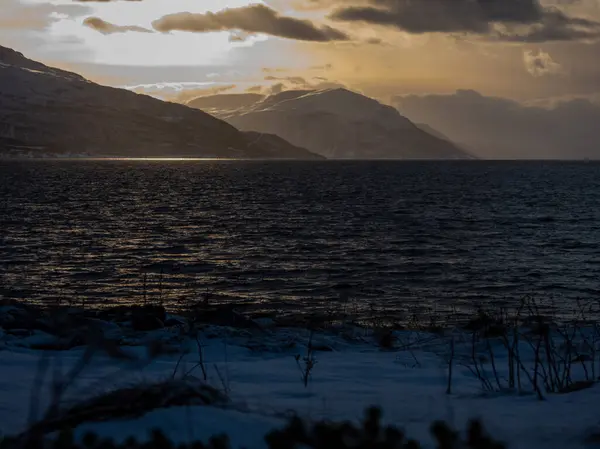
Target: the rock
pixel 321 347
pixel 264 323
pixel 108 329
pixel 57 329
pixel 148 318
pixel 225 315
pixel 78 339
pixel 4 310
pixel 13 317
pixel 148 323
pixel 386 339
pixel 173 321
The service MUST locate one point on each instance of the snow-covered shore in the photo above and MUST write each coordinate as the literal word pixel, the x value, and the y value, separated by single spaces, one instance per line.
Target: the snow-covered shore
pixel 258 370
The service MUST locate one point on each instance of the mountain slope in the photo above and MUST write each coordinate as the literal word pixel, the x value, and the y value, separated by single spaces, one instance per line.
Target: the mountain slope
pixel 50 111
pixel 434 132
pixel 335 123
pixel 277 147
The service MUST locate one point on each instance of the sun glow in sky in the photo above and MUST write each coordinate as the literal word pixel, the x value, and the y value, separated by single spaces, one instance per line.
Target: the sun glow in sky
pixel 520 49
pixel 148 49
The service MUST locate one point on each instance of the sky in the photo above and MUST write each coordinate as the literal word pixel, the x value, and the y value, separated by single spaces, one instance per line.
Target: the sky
pixel 419 55
pixel 518 49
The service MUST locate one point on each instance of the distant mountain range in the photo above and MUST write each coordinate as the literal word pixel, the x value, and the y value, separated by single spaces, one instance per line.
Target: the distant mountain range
pixel 47 111
pixel 335 123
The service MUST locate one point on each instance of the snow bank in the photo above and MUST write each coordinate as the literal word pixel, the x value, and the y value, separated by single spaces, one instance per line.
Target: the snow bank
pixel 259 372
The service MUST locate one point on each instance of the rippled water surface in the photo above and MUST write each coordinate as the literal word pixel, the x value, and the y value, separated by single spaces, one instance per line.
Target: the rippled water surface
pixel 284 234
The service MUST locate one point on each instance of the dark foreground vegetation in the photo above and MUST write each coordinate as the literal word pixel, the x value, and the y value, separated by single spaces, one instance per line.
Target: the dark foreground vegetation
pixel 370 434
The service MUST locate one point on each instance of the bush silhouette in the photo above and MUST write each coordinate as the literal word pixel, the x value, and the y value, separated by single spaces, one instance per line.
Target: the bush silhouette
pixel 370 434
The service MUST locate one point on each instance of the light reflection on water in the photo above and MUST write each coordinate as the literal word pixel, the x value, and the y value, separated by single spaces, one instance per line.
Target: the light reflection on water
pixel 283 234
pixel 123 159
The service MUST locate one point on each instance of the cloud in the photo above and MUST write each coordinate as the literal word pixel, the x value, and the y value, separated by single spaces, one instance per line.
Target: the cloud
pixel 374 41
pixel 281 84
pixel 183 92
pixel 554 27
pixel 499 128
pixel 187 95
pixel 250 19
pixel 500 20
pixel 275 89
pixel 179 92
pixel 26 26
pixel 540 63
pixel 296 80
pixel 105 27
pixel 18 16
pixel 275 69
pixel 255 89
pixel 239 36
pixel 323 67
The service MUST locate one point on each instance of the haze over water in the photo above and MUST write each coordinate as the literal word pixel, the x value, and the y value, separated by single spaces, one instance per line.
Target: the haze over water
pixel 284 234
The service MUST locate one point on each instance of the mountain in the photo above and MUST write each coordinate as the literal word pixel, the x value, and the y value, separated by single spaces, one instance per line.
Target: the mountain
pixel 48 111
pixel 434 132
pixel 275 146
pixel 336 123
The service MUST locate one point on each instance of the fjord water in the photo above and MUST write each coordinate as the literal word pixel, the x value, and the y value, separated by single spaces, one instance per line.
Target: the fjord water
pixel 284 234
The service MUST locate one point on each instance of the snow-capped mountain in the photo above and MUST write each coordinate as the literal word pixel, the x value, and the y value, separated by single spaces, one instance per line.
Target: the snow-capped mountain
pixel 48 111
pixel 336 123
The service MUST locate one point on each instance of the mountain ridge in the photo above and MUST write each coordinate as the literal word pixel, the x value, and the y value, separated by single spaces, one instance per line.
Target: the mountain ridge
pixel 336 123
pixel 49 111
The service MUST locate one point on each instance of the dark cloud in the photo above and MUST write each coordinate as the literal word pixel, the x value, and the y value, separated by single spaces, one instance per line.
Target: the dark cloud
pixel 502 20
pixel 249 19
pixel 302 5
pixel 105 27
pixel 442 15
pixel 499 128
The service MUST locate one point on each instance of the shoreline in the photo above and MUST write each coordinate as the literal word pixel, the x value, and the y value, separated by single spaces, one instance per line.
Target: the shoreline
pixel 261 370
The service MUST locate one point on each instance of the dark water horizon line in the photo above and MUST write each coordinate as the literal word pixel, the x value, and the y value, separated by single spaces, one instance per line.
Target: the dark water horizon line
pixel 272 159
